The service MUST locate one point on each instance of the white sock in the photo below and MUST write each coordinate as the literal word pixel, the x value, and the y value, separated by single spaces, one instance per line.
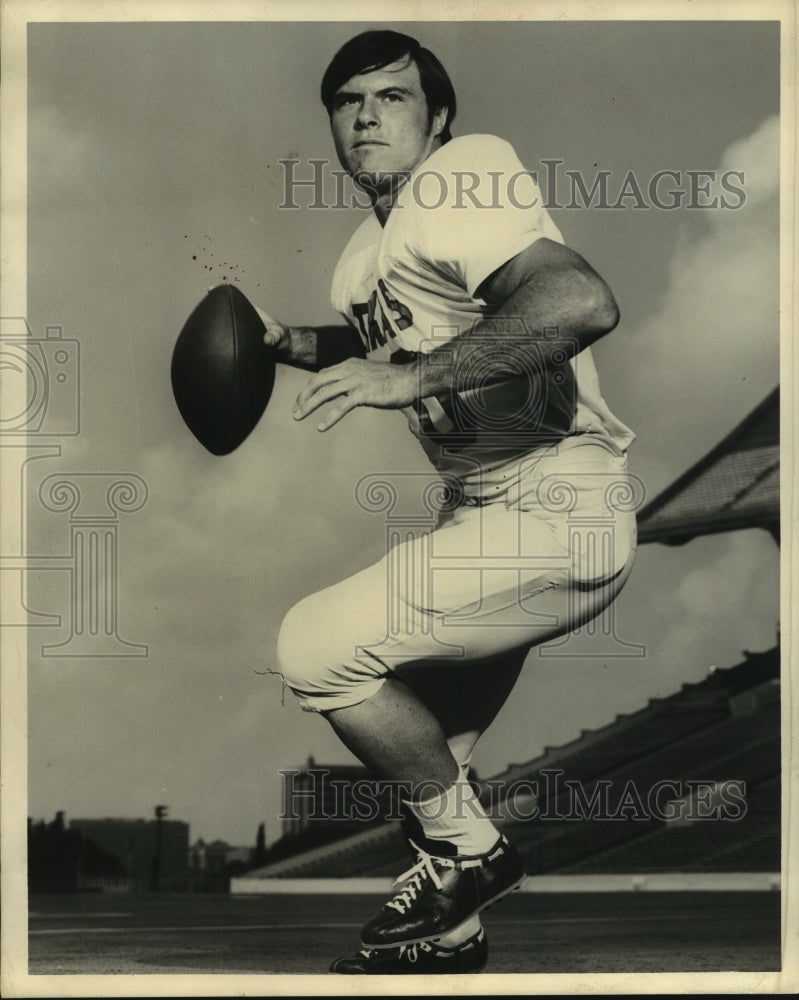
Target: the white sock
pixel 471 926
pixel 455 815
pixel 461 746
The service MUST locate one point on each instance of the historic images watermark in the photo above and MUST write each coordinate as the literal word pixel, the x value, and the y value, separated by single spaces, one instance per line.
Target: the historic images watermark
pixel 315 796
pixel 40 408
pixel 318 184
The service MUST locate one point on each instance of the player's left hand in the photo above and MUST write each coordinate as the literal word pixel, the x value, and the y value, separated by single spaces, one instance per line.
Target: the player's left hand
pixel 356 382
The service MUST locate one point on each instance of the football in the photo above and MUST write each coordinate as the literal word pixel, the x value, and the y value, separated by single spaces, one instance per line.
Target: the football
pixel 222 372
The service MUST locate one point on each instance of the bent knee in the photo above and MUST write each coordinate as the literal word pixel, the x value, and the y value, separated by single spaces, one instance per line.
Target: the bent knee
pixel 297 654
pixel 320 659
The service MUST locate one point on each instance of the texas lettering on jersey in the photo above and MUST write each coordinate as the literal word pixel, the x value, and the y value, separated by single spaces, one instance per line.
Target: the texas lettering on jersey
pixel 373 324
pixel 432 417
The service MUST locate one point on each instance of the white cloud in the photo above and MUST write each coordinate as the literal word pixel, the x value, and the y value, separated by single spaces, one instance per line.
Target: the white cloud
pixel 757 157
pixel 709 354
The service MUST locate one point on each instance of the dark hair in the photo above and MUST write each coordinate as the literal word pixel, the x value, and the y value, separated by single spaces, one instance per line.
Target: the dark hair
pixel 373 50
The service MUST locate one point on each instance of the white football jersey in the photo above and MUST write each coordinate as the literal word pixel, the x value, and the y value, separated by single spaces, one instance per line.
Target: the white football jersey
pixel 411 286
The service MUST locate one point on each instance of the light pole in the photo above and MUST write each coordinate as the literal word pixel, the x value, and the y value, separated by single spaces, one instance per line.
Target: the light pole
pixel 155 871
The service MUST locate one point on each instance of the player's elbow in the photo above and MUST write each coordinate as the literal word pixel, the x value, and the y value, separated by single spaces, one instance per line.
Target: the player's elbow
pixel 590 307
pixel 600 309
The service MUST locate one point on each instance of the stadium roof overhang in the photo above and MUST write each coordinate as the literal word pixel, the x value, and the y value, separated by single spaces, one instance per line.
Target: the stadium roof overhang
pixel 736 485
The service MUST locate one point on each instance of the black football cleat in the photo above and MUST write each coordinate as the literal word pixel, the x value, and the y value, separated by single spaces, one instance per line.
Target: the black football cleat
pixel 439 893
pixel 424 958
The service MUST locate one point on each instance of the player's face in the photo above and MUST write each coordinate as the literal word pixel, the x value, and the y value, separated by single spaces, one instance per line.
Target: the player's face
pixel 380 122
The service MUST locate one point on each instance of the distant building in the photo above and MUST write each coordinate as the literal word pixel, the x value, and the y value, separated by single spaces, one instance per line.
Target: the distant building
pixel 209 859
pixel 146 863
pixel 61 860
pixel 333 800
pixel 218 857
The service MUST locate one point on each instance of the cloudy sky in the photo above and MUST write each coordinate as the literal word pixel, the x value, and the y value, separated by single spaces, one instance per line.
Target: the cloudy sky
pixel 153 156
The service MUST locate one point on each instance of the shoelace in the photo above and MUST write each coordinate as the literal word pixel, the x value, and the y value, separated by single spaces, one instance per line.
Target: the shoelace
pixel 424 869
pixel 416 876
pixel 411 951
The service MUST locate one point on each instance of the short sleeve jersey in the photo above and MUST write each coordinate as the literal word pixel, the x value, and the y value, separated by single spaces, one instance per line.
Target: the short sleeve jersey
pixel 413 285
